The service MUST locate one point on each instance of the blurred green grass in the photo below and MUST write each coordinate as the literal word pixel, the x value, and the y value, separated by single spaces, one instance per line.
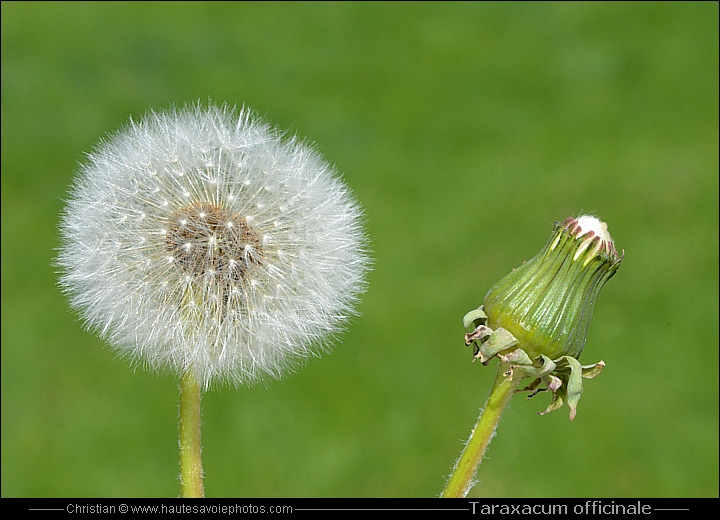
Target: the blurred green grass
pixel 465 130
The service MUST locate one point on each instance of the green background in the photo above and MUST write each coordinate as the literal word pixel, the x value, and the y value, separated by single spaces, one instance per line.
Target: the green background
pixel 465 130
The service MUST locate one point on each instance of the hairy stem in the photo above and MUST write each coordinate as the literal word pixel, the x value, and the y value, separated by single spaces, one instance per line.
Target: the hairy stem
pixel 191 474
pixel 462 477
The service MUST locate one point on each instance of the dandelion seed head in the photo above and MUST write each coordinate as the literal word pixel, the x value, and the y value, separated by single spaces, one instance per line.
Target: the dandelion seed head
pixel 203 239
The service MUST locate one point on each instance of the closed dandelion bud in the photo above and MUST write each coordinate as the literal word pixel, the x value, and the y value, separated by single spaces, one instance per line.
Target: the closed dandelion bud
pixel 547 302
pixel 534 321
pixel 536 318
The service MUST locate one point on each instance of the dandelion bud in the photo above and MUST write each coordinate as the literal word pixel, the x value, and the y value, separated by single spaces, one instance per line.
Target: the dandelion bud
pixel 536 318
pixel 201 240
pixel 547 302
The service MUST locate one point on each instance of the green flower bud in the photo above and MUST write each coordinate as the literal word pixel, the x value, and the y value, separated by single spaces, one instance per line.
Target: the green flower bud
pixel 547 302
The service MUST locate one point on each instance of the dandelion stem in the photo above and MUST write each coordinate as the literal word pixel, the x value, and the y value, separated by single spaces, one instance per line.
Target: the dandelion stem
pixel 463 474
pixel 191 473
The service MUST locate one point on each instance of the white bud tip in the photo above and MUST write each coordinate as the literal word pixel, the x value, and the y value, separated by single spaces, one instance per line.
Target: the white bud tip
pixel 589 223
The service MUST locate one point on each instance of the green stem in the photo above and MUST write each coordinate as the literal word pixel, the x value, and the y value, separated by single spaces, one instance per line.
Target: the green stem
pixel 462 477
pixel 191 474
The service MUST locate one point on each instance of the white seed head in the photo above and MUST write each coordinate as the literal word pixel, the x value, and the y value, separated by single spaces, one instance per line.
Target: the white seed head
pixel 201 239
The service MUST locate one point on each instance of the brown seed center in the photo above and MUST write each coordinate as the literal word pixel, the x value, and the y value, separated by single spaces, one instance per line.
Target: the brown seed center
pixel 206 239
